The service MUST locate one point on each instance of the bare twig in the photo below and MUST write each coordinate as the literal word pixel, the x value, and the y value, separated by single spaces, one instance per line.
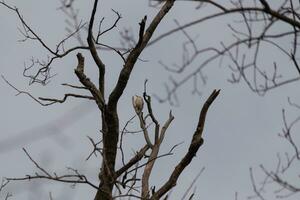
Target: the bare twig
pixel 68 178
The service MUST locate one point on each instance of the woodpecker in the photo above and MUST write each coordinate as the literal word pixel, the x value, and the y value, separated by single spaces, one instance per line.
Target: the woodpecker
pixel 138 104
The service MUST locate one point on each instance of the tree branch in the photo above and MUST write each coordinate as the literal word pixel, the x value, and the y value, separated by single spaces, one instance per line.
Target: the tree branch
pixel 93 51
pixel 139 155
pixel 79 71
pixel 195 144
pixel 134 54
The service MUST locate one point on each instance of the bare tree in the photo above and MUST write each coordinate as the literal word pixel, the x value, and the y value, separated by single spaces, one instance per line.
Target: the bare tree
pixel 254 30
pixel 125 181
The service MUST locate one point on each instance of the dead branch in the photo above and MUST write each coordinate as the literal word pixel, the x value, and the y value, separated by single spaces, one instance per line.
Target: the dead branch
pixel 93 51
pixel 74 178
pixel 52 100
pixel 26 93
pixel 139 155
pixel 195 144
pixel 79 71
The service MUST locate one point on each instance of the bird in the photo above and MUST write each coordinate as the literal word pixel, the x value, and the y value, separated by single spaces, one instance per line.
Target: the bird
pixel 138 103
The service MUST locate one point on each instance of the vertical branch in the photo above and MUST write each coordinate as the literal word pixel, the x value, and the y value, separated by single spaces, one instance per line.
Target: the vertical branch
pixel 153 155
pixel 159 136
pixel 147 171
pixel 147 99
pixel 93 51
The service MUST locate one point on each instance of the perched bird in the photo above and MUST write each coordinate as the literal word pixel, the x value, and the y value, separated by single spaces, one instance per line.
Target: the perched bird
pixel 138 104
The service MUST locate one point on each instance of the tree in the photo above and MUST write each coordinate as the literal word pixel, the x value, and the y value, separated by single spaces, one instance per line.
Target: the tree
pixel 109 176
pixel 247 41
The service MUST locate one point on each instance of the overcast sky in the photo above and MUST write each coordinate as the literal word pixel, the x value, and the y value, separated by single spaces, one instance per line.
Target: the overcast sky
pixel 241 129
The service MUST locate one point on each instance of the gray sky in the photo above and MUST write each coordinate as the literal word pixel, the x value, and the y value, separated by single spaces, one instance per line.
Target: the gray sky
pixel 241 129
